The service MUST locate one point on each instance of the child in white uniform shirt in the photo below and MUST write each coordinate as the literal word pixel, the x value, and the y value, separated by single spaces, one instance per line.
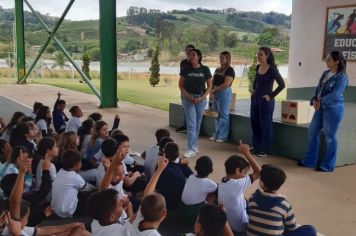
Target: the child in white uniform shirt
pixel 151 154
pixel 232 187
pixel 107 207
pixel 47 148
pixel 153 206
pixel 198 187
pixel 67 184
pixel 74 122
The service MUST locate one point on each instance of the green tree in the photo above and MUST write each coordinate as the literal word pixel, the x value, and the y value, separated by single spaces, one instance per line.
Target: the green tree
pixel 60 60
pixel 230 40
pixel 265 39
pixel 86 62
pixel 155 67
pixel 251 74
pixel 94 54
pixel 132 45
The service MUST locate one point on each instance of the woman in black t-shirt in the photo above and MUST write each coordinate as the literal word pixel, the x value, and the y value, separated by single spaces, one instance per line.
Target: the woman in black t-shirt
pixel 195 85
pixel 262 101
pixel 221 93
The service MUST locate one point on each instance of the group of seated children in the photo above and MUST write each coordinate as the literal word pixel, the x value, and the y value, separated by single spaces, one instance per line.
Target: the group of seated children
pixel 70 168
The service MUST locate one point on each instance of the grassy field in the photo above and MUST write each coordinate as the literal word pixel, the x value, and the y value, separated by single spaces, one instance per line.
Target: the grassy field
pixel 138 90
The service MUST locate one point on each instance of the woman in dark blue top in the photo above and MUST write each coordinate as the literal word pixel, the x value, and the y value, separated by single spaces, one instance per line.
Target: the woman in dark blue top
pixel 328 102
pixel 262 101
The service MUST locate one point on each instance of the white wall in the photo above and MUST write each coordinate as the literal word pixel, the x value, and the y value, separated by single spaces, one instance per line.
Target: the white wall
pixel 307 40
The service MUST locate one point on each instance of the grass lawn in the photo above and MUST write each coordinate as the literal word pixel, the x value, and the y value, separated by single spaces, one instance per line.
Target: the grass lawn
pixel 139 91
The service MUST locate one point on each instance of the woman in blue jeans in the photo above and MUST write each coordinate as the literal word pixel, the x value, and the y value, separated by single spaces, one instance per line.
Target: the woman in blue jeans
pixel 328 102
pixel 222 81
pixel 195 84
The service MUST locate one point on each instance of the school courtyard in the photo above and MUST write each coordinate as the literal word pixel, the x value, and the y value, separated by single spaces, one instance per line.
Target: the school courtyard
pixel 325 200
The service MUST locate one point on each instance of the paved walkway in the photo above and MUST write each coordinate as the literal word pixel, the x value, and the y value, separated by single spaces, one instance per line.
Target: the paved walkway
pixel 326 200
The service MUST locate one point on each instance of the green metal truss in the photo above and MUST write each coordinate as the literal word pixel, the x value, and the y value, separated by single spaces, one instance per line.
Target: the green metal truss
pixel 108 62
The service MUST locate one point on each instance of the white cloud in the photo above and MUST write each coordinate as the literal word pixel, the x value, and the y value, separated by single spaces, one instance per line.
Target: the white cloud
pixel 89 9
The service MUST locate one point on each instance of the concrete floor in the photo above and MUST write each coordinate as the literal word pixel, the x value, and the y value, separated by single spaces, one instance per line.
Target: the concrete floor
pixel 325 200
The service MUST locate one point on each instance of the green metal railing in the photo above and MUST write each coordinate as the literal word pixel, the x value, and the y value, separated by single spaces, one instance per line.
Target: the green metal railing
pixel 108 72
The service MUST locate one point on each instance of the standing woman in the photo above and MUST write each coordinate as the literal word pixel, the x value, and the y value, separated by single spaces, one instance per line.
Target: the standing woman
pixel 222 81
pixel 195 84
pixel 262 101
pixel 328 102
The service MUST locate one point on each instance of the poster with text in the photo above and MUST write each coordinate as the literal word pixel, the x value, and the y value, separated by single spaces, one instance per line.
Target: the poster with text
pixel 340 31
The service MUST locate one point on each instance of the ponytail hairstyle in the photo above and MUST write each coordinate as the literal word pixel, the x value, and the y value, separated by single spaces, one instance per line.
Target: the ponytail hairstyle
pixel 270 56
pixel 337 56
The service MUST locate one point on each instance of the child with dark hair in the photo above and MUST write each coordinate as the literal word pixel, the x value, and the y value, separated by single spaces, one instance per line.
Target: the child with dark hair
pixel 47 149
pixel 106 209
pixel 233 185
pixel 267 202
pixel 93 155
pixel 36 107
pixel 96 116
pixel 198 187
pixel 108 148
pixel 74 123
pixel 36 198
pixel 43 120
pixel 20 211
pixel 68 181
pixel 172 180
pixel 84 134
pixel 12 167
pixel 22 136
pixel 59 117
pixel 212 221
pixel 15 120
pixel 153 206
pixel 134 182
pixel 151 154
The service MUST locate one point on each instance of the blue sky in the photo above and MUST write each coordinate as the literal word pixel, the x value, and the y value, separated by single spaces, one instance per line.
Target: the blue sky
pixel 88 9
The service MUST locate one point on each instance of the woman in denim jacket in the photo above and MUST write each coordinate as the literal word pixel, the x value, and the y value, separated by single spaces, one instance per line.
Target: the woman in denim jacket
pixel 328 102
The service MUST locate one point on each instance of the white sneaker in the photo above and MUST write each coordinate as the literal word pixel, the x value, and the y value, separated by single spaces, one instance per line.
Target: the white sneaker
pixel 212 138
pixel 189 154
pixel 220 141
pixel 196 150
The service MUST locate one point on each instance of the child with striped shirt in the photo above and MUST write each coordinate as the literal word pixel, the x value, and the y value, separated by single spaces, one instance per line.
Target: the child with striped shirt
pixel 269 212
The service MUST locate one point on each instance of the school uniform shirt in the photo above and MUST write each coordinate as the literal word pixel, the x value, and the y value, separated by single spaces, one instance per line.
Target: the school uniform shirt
pixel 27 231
pixel 219 76
pixel 100 173
pixel 84 146
pixel 42 126
pixel 138 231
pixel 231 192
pixel 151 160
pixel 196 190
pixel 73 124
pixel 59 120
pixel 52 172
pixel 10 168
pixel 65 188
pixel 195 78
pixel 32 115
pixel 110 230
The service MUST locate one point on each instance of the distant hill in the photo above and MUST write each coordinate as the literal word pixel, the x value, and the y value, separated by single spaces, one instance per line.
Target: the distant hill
pixel 139 29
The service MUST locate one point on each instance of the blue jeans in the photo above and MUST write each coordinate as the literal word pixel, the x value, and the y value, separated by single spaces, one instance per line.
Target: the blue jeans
pixel 262 123
pixel 305 230
pixel 193 116
pixel 222 122
pixel 327 120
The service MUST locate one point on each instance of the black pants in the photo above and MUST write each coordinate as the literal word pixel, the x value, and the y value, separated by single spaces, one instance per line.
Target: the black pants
pixel 262 123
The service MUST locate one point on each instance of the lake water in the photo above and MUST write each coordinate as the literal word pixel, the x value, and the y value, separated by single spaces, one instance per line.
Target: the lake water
pixel 144 67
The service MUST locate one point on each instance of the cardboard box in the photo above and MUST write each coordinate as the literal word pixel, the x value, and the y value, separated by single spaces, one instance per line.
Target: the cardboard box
pixel 297 112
